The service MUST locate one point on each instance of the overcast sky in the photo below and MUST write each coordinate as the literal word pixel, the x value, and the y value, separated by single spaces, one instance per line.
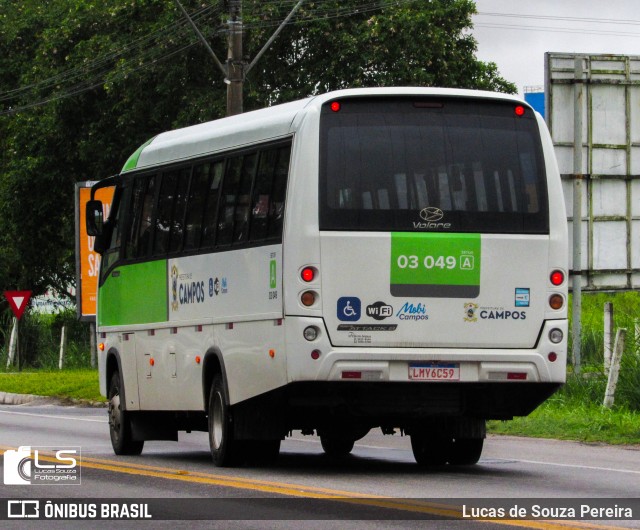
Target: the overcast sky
pixel 515 34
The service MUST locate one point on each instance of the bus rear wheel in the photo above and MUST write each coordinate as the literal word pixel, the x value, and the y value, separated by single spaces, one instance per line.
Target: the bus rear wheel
pixel 226 451
pixel 428 450
pixel 336 446
pixel 119 422
pixel 435 451
pixel 466 451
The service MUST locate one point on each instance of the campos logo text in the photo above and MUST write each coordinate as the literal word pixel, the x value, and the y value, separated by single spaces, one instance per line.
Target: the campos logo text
pixel 36 465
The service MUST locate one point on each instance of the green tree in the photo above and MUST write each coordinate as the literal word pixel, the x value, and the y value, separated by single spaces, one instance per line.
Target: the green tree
pixel 84 83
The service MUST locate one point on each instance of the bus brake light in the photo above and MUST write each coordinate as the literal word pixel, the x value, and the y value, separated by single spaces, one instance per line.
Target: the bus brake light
pixel 519 110
pixel 557 278
pixel 308 274
pixel 335 106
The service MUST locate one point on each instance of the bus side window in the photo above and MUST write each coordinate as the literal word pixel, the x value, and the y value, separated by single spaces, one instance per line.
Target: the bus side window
pixel 262 190
pixel 146 219
pixel 216 171
pixel 164 211
pixel 241 213
pixel 179 209
pixel 226 212
pixel 111 255
pixel 196 204
pixel 136 207
pixel 279 190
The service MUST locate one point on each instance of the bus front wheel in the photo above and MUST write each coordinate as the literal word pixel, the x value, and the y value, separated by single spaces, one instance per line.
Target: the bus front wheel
pixel 119 422
pixel 226 451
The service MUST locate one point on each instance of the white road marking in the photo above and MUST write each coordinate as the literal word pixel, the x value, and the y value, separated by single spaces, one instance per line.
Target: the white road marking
pixel 52 417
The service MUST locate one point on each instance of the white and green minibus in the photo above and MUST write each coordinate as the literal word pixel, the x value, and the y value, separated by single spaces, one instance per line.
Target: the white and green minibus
pixel 390 258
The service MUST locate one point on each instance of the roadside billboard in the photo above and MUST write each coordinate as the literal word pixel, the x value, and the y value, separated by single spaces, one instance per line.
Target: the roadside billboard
pixel 609 107
pixel 87 260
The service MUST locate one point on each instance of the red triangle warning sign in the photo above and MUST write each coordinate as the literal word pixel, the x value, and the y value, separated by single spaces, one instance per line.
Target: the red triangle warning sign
pixel 18 300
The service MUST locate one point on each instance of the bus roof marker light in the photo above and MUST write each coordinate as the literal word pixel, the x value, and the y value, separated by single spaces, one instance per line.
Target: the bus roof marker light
pixel 335 106
pixel 519 110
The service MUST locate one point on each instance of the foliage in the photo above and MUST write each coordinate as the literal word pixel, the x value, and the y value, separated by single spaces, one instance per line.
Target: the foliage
pixel 84 83
pixel 39 340
pixel 575 412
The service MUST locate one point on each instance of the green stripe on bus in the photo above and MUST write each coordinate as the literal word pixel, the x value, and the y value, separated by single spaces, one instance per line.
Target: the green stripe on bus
pixel 134 294
pixel 132 162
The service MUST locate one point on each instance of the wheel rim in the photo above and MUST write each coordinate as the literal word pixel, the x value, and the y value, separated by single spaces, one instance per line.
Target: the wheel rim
pixel 115 417
pixel 217 421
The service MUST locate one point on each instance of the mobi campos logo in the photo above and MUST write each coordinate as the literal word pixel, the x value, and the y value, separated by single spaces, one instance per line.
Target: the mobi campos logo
pixel 42 465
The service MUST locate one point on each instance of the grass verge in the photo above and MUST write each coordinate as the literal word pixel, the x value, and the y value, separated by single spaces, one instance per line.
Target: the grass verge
pixel 74 384
pixel 579 422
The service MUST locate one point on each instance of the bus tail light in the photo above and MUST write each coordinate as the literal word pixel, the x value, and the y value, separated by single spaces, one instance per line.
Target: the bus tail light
pixel 556 301
pixel 308 274
pixel 557 277
pixel 553 356
pixel 308 298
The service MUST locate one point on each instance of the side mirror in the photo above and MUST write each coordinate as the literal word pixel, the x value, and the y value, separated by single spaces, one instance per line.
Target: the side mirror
pixel 94 217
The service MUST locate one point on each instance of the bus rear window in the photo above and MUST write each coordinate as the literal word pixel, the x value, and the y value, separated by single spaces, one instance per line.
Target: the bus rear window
pixel 443 164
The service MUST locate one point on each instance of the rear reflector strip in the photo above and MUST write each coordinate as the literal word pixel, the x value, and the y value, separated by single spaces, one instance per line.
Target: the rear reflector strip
pixel 351 375
pixel 516 376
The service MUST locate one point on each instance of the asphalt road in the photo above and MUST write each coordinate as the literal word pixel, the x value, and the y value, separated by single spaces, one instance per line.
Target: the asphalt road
pixel 379 481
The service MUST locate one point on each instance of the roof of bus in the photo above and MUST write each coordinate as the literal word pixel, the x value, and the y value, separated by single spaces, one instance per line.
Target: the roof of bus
pixel 261 125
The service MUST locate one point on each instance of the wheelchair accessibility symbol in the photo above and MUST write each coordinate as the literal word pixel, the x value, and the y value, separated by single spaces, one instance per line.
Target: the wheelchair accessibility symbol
pixel 349 308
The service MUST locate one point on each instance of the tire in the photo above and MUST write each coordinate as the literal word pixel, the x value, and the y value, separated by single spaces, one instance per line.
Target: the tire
pixel 466 451
pixel 429 451
pixel 226 451
pixel 335 446
pixel 119 422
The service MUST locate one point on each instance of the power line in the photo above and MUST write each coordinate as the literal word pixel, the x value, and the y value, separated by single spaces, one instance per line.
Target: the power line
pixel 145 49
pixel 563 18
pixel 552 29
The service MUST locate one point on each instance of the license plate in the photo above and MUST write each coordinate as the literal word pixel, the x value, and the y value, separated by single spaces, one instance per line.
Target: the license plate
pixel 434 372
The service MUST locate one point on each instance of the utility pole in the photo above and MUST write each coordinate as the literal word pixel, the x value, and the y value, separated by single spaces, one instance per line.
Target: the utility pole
pixel 577 213
pixel 236 69
pixel 235 63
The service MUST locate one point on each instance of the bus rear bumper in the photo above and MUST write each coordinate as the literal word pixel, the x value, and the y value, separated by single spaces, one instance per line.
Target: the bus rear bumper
pixel 397 404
